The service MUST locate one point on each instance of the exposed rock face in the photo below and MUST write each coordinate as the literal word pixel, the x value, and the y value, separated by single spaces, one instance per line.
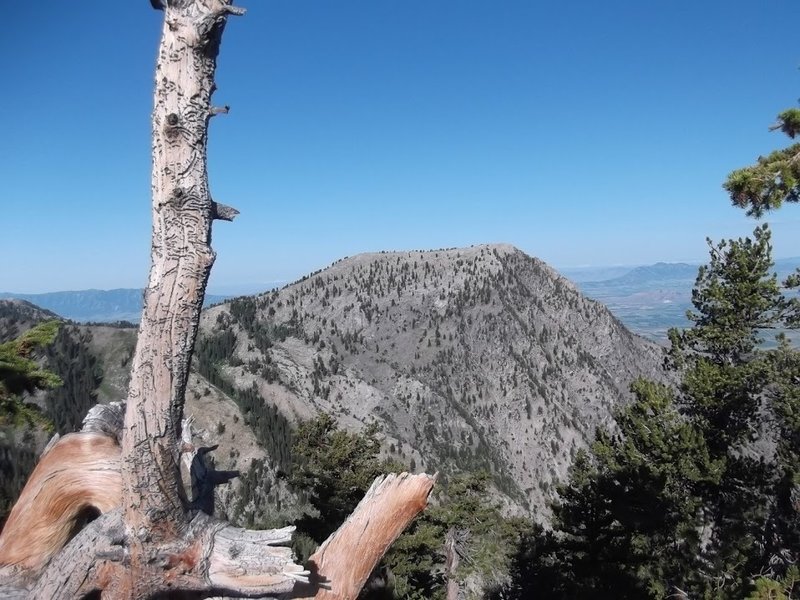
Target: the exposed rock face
pixel 468 358
pixel 475 358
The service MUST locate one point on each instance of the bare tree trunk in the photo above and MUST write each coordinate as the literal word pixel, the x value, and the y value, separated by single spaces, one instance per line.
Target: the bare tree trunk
pixel 80 474
pixel 387 508
pixel 154 509
pixel 451 562
pixel 150 539
pixel 181 263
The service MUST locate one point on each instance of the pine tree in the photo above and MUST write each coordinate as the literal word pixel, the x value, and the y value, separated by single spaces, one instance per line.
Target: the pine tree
pixel 728 375
pixel 20 374
pixel 685 496
pixel 773 179
pixel 628 521
pixel 334 468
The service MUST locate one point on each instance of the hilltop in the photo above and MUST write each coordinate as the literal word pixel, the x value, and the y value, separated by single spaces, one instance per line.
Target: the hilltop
pixel 474 358
pixel 467 359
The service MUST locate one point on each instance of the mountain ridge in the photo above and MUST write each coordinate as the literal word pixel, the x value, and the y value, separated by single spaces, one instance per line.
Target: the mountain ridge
pixel 479 357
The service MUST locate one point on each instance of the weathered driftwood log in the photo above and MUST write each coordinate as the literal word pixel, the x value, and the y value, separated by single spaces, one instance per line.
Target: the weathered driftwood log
pixel 49 536
pixel 74 482
pixel 156 541
pixel 346 559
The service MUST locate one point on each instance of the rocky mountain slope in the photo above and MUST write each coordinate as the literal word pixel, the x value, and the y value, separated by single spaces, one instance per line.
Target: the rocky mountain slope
pixel 17 316
pixel 94 363
pixel 476 358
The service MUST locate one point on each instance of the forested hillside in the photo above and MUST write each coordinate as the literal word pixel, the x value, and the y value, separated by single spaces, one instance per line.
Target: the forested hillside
pixel 468 359
pixel 92 364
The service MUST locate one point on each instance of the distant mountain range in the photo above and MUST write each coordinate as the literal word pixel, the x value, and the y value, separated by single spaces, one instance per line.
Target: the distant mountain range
pixel 651 299
pixel 648 299
pixel 653 274
pixel 100 306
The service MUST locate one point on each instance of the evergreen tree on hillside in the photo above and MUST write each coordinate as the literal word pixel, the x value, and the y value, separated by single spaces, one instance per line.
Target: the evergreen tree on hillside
pixel 729 387
pixel 21 374
pixel 70 358
pixel 629 520
pixel 463 509
pixel 773 179
pixel 334 468
pixel 759 188
pixel 686 496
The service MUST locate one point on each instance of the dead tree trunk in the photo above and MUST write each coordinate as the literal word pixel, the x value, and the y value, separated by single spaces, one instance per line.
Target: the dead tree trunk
pixel 451 562
pixel 155 541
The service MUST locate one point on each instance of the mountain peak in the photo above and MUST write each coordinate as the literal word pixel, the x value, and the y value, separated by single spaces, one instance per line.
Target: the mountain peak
pixel 468 358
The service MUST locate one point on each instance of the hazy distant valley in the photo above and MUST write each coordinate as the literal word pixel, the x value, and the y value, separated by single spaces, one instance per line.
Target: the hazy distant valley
pixel 650 299
pixel 95 306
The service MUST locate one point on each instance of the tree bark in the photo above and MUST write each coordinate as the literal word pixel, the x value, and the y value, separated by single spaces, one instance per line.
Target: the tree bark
pixel 451 562
pixel 81 472
pixel 181 262
pixel 151 538
pixel 345 560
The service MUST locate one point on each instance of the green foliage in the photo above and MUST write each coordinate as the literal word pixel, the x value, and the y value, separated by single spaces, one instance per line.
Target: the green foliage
pixel 680 498
pixel 334 468
pixel 463 505
pixel 767 588
pixel 736 297
pixel 774 179
pixel 70 359
pixel 628 520
pixel 269 425
pixel 18 457
pixel 767 184
pixel 21 374
pixel 733 388
pixel 789 122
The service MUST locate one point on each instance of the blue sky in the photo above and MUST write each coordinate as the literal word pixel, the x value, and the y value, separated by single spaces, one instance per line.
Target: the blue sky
pixel 585 133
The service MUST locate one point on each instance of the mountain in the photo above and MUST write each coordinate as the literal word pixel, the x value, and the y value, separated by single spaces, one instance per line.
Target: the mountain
pixel 658 274
pixel 651 299
pixel 95 305
pixel 17 316
pixel 94 363
pixel 467 359
pixel 588 273
pixel 474 358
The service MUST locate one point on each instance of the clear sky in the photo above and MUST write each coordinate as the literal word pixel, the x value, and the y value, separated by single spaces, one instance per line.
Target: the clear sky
pixel 583 132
